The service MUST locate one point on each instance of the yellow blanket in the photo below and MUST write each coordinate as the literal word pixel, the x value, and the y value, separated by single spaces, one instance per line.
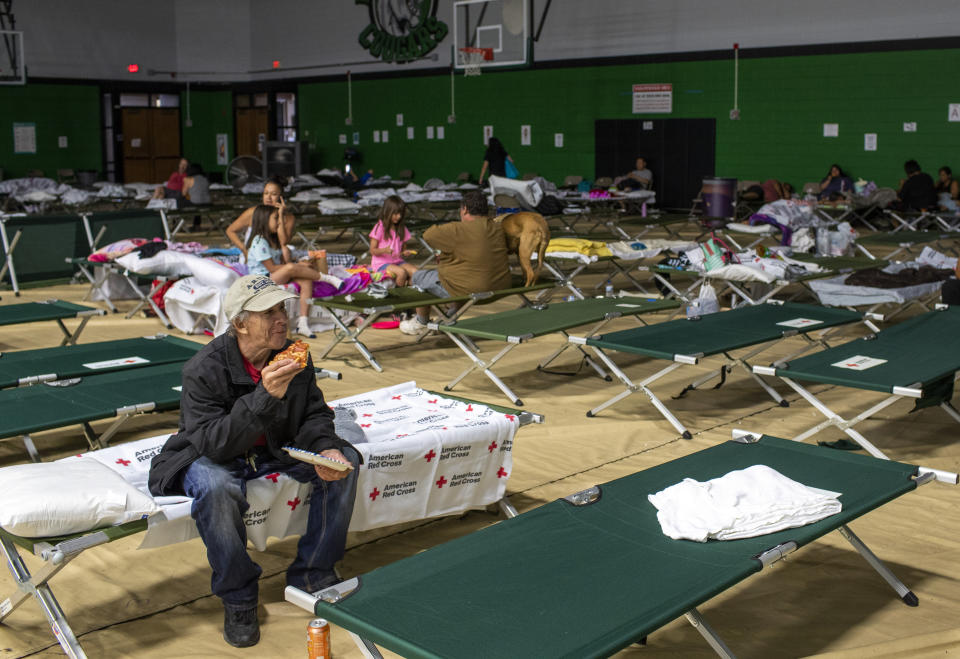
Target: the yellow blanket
pixel 579 245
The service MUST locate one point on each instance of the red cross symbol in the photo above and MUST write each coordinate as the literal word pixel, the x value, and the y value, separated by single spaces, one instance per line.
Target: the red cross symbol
pixel 501 473
pixel 365 425
pixel 432 402
pixel 469 408
pixel 293 504
pixel 510 417
pixel 273 477
pixel 492 446
pixel 443 481
pixel 373 495
pixel 431 455
pixel 121 461
pixel 853 365
pixel 129 361
pixel 395 398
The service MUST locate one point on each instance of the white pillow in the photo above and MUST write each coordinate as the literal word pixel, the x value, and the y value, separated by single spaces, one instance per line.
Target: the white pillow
pixel 338 205
pixel 72 496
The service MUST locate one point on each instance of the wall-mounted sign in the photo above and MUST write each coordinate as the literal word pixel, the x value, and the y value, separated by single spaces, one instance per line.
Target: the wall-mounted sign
pixel 653 98
pixel 401 31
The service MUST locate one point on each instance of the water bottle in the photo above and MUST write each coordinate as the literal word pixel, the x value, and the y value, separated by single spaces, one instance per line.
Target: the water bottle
pixel 608 290
pixel 693 309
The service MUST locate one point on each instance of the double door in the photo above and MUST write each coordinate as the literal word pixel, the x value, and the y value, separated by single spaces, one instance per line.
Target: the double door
pixel 151 143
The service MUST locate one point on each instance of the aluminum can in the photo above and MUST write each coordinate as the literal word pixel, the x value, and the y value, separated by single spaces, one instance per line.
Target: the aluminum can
pixel 318 639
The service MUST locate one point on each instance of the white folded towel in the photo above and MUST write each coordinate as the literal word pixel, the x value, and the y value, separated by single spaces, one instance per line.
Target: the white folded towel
pixel 741 504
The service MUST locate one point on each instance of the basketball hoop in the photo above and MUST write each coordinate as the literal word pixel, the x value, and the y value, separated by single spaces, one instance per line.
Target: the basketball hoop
pixel 471 59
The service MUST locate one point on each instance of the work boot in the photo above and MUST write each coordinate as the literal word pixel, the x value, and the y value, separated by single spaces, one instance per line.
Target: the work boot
pixel 241 627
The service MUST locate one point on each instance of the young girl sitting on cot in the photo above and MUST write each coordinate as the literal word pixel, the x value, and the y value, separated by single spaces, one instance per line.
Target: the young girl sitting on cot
pixel 387 239
pixel 266 257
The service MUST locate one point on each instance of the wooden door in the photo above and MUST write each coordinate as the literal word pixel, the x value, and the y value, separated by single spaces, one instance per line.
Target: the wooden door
pixel 251 123
pixel 151 144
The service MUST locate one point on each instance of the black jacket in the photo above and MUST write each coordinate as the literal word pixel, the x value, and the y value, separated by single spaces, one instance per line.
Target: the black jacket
pixel 222 413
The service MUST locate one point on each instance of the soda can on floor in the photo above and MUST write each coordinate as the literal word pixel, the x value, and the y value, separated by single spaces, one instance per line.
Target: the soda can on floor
pixel 318 639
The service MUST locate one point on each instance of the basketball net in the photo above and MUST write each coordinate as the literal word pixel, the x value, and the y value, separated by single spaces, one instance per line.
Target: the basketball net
pixel 472 58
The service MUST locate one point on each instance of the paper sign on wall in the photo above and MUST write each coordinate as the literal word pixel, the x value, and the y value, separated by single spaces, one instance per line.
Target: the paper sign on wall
pixel 410 132
pixel 429 132
pixel 24 137
pixel 909 126
pixel 223 149
pixel 869 141
pixel 831 130
pixel 135 142
pixel 62 141
pixel 343 138
pixel 653 98
pixel 356 138
pixel 953 112
pixel 376 136
pixel 384 136
pixel 525 135
pixel 558 140
pixel 399 119
pixel 440 132
pixel 648 125
pixel 487 134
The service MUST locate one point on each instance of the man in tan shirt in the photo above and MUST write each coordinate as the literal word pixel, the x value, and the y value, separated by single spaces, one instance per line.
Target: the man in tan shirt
pixel 473 258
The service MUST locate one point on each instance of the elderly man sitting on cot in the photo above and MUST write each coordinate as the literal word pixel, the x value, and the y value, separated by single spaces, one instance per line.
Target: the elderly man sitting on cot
pixel 473 258
pixel 238 409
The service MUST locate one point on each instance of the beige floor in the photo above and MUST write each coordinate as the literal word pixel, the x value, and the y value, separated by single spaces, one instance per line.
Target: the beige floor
pixel 823 601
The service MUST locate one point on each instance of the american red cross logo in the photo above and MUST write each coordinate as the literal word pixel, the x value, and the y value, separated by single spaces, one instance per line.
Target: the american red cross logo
pixel 432 402
pixel 431 455
pixel 121 461
pixel 501 473
pixel 365 425
pixel 395 398
pixel 853 364
pixel 493 445
pixel 273 477
pixel 510 417
pixel 373 495
pixel 293 504
pixel 443 481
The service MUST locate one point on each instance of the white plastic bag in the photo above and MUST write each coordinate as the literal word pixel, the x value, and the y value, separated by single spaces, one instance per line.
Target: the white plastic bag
pixel 708 299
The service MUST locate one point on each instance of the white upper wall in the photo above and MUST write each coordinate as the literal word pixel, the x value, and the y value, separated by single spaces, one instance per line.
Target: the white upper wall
pixel 98 38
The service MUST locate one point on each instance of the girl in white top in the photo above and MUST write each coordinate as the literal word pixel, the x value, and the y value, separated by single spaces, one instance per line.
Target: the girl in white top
pixel 265 256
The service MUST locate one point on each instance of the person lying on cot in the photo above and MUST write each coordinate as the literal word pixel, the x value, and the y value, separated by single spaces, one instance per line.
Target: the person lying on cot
pixel 769 190
pixel 387 239
pixel 267 255
pixel 473 258
pixel 272 196
pixel 237 410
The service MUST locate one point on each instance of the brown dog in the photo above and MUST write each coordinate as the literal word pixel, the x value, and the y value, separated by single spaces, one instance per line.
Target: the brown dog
pixel 527 233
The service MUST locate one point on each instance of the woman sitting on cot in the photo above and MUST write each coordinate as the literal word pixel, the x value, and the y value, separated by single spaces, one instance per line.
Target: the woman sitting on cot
pixel 387 239
pixel 266 257
pixel 835 185
pixel 948 190
pixel 272 196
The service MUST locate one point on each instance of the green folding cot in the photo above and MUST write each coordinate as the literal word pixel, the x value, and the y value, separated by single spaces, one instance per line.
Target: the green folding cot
pixel 25 367
pixel 593 573
pixel 918 358
pixel 526 323
pixel 58 310
pixel 118 395
pixel 37 248
pixel 687 341
pixel 905 241
pixel 399 300
pixel 108 227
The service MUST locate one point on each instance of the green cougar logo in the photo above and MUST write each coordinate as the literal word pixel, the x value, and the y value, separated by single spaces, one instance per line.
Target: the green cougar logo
pixel 401 30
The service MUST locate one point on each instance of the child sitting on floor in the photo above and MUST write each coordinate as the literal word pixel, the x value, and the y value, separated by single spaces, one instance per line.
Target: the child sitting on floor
pixel 387 239
pixel 265 256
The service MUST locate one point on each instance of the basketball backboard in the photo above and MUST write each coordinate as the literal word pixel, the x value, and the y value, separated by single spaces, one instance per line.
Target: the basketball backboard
pixel 500 25
pixel 12 64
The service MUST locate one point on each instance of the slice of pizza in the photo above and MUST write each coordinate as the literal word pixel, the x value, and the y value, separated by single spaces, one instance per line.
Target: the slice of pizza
pixel 297 351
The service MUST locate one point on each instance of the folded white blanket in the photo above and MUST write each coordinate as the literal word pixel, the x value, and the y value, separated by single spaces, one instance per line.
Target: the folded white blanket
pixel 741 504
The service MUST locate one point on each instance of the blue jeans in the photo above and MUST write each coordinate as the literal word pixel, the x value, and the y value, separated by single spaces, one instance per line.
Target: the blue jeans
pixel 219 493
pixel 429 282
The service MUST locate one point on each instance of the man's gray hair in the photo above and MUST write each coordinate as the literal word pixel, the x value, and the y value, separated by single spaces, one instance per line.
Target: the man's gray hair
pixel 236 321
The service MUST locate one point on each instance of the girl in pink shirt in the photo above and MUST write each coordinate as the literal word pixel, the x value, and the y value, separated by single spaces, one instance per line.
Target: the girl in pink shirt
pixel 387 239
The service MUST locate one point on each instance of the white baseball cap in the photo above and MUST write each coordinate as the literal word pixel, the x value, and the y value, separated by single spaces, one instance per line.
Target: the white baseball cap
pixel 253 293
